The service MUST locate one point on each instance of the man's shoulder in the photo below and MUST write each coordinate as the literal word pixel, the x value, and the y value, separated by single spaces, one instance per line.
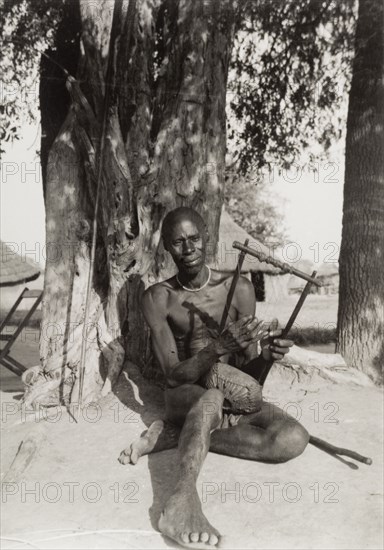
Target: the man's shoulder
pixel 244 287
pixel 158 289
pixel 244 283
pixel 227 276
pixel 157 294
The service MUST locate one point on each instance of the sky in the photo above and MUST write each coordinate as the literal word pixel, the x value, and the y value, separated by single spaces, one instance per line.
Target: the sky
pixel 310 203
pixel 22 220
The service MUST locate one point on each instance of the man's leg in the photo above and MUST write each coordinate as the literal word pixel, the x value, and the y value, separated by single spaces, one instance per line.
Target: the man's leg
pixel 183 519
pixel 163 435
pixel 160 436
pixel 269 435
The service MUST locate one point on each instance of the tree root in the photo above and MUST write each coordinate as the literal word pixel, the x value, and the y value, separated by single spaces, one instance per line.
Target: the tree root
pixel 114 354
pixel 310 367
pixel 42 394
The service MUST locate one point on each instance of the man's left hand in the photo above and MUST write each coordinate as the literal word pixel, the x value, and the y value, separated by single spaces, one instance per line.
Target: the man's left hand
pixel 274 348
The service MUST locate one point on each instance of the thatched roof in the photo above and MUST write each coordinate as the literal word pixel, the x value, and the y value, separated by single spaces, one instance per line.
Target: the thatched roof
pixel 14 269
pixel 227 256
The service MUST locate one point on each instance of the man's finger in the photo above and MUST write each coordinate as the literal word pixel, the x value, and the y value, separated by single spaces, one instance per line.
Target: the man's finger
pixel 240 323
pixel 257 334
pixel 275 333
pixel 282 343
pixel 250 331
pixel 255 322
pixel 248 327
pixel 278 349
pixel 273 325
pixel 243 320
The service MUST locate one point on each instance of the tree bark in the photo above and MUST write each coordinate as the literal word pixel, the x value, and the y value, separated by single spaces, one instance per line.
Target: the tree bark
pixel 164 147
pixel 361 304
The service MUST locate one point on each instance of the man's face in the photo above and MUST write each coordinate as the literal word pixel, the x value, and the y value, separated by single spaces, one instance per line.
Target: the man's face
pixel 186 242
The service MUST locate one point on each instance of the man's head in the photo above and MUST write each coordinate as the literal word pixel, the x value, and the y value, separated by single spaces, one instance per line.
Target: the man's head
pixel 185 236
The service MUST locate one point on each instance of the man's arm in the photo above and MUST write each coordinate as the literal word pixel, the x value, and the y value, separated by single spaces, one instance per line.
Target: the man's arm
pixel 272 348
pixel 154 307
pixel 245 303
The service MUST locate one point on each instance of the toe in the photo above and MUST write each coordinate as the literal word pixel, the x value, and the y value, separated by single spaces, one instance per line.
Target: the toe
pixel 204 537
pixel 124 457
pixel 195 537
pixel 213 540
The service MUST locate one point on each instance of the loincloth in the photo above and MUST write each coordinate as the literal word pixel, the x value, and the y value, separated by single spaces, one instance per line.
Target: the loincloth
pixel 242 393
pixel 229 420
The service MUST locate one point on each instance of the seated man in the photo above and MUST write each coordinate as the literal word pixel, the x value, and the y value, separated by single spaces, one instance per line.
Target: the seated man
pixel 183 313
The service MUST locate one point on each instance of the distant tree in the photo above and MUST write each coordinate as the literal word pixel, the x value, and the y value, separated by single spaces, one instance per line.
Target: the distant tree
pixel 361 304
pixel 290 73
pixel 26 32
pixel 251 205
pixel 287 93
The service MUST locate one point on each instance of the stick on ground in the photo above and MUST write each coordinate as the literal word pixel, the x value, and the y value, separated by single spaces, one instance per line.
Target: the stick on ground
pixel 25 454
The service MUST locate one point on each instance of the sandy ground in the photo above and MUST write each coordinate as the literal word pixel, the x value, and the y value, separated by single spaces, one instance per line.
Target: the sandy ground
pixel 317 311
pixel 75 494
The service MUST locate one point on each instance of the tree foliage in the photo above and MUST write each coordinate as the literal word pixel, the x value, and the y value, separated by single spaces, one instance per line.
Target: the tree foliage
pixel 251 205
pixel 289 75
pixel 291 70
pixel 27 30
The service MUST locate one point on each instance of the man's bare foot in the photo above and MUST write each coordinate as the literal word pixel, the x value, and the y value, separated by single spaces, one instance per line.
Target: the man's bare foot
pixel 184 521
pixel 143 445
pixel 131 454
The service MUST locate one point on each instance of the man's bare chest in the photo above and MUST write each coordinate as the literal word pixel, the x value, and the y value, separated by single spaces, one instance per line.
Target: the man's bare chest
pixel 197 314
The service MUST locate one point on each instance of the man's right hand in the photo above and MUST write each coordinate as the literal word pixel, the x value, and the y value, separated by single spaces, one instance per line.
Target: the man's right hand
pixel 239 335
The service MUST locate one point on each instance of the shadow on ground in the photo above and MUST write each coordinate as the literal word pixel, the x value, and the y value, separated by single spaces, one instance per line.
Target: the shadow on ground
pixel 147 401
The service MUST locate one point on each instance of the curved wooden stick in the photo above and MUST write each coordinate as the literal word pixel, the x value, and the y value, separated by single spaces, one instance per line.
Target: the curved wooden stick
pixel 331 449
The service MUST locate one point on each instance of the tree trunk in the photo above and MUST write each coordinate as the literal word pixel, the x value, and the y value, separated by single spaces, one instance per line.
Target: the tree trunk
pixel 164 147
pixel 361 304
